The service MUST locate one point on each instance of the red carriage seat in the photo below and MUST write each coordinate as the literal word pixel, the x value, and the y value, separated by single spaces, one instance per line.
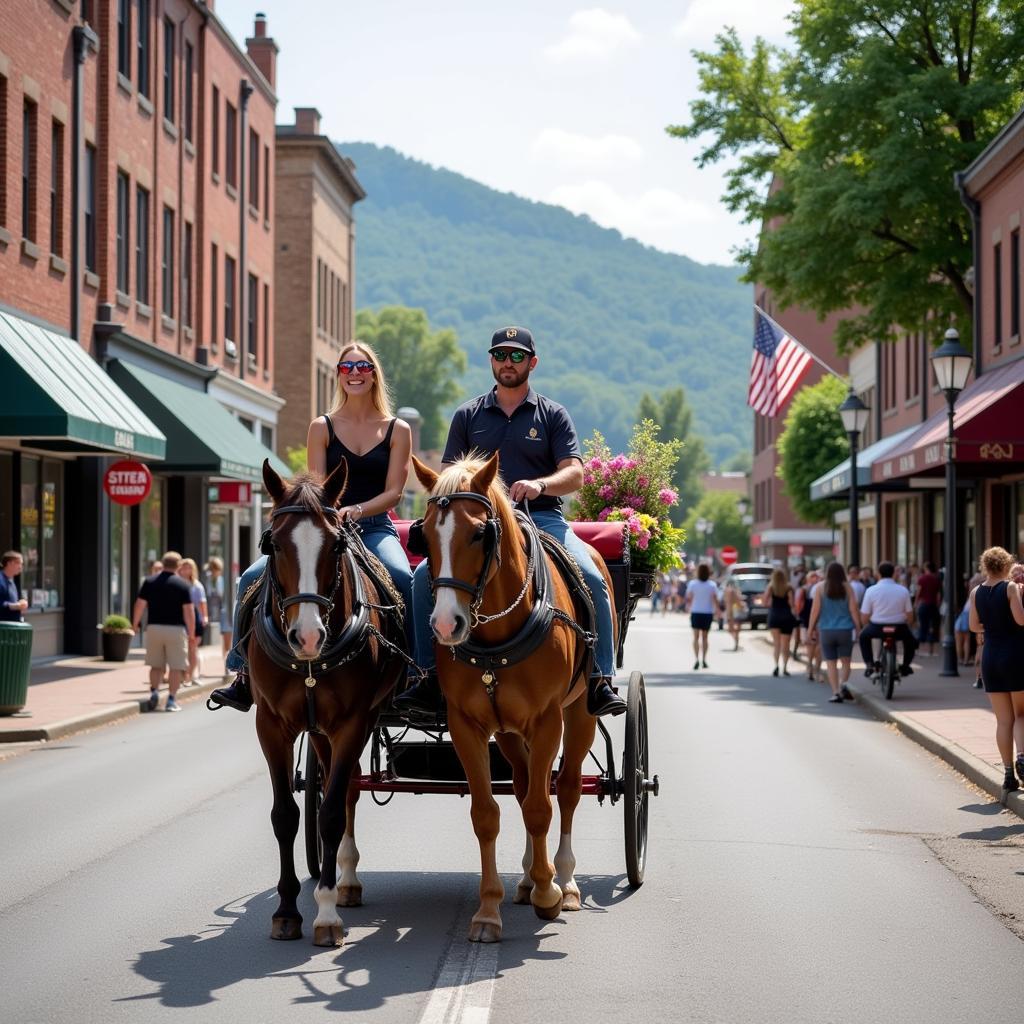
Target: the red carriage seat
pixel 402 526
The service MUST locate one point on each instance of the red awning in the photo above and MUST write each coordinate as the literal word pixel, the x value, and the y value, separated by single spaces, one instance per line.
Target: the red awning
pixel 988 421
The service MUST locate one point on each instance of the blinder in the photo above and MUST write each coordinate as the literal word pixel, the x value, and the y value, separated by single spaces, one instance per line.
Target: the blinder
pixel 416 542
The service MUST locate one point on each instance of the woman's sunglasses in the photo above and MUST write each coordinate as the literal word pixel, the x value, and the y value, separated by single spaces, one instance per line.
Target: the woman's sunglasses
pixel 517 355
pixel 360 366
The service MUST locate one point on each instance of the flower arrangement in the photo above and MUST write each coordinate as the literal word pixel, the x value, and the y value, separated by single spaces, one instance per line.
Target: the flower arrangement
pixel 634 488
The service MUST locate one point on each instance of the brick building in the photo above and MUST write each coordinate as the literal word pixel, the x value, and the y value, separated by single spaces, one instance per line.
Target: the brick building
pixel 314 269
pixel 136 235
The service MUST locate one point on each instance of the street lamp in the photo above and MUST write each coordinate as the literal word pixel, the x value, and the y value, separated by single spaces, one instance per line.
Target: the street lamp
pixel 854 414
pixel 741 506
pixel 952 365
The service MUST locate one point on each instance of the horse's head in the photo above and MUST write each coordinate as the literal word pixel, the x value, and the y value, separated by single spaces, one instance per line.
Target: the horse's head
pixel 304 544
pixel 462 535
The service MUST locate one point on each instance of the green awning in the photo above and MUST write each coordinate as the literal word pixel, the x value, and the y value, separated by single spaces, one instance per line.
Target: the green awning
pixel 58 398
pixel 202 436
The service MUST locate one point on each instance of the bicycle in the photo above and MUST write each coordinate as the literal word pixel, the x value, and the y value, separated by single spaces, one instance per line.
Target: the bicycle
pixel 889 672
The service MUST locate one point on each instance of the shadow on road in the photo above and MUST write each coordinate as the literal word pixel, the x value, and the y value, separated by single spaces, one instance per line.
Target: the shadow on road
pixel 394 944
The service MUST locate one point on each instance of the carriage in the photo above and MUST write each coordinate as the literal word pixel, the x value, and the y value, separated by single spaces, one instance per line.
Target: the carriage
pixel 419 757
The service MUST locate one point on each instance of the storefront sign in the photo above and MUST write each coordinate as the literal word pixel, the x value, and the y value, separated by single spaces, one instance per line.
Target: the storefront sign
pixel 127 482
pixel 795 549
pixel 234 493
pixel 995 450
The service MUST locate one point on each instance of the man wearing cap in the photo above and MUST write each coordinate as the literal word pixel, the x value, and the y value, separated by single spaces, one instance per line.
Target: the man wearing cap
pixel 540 461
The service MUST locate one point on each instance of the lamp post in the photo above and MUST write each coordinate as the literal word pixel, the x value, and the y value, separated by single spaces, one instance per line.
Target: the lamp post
pixel 702 529
pixel 854 414
pixel 952 365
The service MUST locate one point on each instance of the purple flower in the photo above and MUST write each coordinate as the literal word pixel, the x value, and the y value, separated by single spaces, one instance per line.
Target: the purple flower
pixel 667 496
pixel 605 492
pixel 604 514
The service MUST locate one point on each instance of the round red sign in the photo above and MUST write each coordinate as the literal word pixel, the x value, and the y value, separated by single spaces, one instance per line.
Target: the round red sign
pixel 728 554
pixel 127 482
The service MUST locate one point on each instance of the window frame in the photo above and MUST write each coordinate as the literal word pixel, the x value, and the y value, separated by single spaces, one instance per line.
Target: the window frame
pixel 123 232
pixel 144 50
pixel 142 236
pixel 170 58
pixel 167 263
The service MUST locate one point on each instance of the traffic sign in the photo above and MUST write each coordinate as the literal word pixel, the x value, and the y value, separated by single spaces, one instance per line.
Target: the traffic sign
pixel 795 550
pixel 128 482
pixel 728 554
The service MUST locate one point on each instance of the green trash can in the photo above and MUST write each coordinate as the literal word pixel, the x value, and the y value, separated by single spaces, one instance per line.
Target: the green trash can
pixel 15 661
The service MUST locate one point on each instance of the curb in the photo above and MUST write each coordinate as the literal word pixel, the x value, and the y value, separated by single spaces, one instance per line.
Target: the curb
pixel 102 716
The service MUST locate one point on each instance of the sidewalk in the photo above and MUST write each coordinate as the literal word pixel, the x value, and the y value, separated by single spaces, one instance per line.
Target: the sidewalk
pixel 74 694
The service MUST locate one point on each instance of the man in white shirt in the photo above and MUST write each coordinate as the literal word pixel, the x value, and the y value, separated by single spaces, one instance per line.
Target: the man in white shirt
pixel 887 603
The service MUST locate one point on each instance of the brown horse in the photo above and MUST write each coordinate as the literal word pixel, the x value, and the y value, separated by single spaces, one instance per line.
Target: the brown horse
pixel 480 568
pixel 346 660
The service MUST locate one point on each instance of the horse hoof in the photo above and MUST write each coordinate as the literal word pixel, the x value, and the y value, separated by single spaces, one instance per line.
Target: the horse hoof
pixel 484 931
pixel 328 935
pixel 350 896
pixel 570 899
pixel 286 928
pixel 523 893
pixel 548 913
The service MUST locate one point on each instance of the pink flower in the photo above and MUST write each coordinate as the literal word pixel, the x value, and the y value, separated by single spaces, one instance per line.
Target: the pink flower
pixel 634 527
pixel 667 496
pixel 594 463
pixel 643 481
pixel 627 512
pixel 630 464
pixel 605 492
pixel 619 462
pixel 604 514
pixel 635 500
pixel 588 478
pixel 643 542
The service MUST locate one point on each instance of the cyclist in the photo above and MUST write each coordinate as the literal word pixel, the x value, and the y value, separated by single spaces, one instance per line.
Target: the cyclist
pixel 887 603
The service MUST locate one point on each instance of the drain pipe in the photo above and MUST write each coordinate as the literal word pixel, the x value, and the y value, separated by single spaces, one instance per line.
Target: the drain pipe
pixel 245 91
pixel 83 40
pixel 974 209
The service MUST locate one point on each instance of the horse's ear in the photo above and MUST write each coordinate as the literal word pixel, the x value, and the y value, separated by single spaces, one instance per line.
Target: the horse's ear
pixel 424 474
pixel 484 477
pixel 335 484
pixel 273 483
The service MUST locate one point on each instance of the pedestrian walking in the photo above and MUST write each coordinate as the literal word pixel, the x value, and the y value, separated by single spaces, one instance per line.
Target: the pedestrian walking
pixel 216 601
pixel 929 598
pixel 962 625
pixel 736 612
pixel 703 606
pixel 855 581
pixel 12 604
pixel 778 597
pixel 835 619
pixel 804 600
pixel 170 633
pixel 189 572
pixel 996 606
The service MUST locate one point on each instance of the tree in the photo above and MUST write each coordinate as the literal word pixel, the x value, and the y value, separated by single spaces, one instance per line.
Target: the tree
pixel 422 367
pixel 846 144
pixel 812 442
pixel 741 462
pixel 296 459
pixel 674 417
pixel 718 508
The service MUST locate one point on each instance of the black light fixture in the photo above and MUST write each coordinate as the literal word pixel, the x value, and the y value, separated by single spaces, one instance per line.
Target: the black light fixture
pixel 952 365
pixel 854 414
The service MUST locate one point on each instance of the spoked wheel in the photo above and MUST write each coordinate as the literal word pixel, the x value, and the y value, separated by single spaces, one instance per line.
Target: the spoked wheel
pixel 637 784
pixel 313 797
pixel 888 671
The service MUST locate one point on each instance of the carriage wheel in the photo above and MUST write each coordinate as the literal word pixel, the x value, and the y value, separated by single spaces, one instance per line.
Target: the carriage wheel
pixel 313 798
pixel 635 773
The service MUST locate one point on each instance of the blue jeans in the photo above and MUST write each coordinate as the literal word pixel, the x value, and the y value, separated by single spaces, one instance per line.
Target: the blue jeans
pixel 550 521
pixel 381 537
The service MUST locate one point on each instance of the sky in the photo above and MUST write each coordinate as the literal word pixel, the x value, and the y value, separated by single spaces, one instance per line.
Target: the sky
pixel 555 100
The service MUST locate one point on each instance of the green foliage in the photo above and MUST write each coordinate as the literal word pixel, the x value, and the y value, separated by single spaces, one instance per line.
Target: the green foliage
pixel 297 459
pixel 612 318
pixel 117 624
pixel 812 442
pixel 848 142
pixel 674 417
pixel 423 367
pixel 719 508
pixel 741 462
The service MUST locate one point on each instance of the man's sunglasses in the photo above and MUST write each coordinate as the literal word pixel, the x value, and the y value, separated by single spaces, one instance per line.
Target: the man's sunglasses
pixel 360 366
pixel 517 355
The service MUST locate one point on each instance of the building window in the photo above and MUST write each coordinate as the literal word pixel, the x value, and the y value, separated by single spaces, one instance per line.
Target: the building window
pixel 189 72
pixel 266 327
pixel 167 265
pixel 40 529
pixel 57 188
pixel 230 323
pixel 124 35
pixel 346 313
pixel 142 245
pixel 319 294
pixel 231 145
pixel 997 288
pixel 145 48
pixel 186 277
pixel 3 151
pixel 29 163
pixel 214 305
pixel 266 183
pixel 122 232
pixel 252 332
pixel 254 169
pixel 1015 284
pixel 267 436
pixel 169 70
pixel 90 208
pixel 215 132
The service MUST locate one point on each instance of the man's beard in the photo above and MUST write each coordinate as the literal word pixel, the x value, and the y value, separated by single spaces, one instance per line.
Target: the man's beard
pixel 506 380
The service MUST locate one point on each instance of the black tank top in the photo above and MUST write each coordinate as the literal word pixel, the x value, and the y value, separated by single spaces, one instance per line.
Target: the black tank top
pixel 367 474
pixel 993 607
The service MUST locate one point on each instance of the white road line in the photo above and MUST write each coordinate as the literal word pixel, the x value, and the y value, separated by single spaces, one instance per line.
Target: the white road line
pixel 465 985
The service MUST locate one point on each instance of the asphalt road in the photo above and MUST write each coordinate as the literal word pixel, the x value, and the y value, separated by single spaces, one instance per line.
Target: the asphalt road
pixel 806 864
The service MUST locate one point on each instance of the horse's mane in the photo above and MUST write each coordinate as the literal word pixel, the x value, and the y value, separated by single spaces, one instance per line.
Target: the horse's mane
pixel 457 477
pixel 307 491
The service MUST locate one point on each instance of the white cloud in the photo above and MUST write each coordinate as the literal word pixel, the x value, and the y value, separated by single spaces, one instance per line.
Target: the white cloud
pixel 706 18
pixel 657 216
pixel 593 33
pixel 553 145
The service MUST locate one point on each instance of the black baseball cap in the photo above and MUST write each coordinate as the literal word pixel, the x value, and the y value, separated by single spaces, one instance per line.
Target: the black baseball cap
pixel 513 337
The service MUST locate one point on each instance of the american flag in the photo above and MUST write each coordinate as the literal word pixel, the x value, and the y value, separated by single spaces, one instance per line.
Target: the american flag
pixel 778 365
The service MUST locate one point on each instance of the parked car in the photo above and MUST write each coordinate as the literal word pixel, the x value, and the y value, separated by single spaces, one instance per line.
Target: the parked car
pixel 751 578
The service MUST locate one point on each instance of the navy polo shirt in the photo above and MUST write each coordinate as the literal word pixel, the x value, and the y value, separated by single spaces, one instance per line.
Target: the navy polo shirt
pixel 530 443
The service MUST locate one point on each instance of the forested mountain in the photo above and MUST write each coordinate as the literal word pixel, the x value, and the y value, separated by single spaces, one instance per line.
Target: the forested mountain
pixel 612 318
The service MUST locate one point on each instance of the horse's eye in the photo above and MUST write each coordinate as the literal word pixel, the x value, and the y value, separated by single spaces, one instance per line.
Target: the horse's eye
pixel 478 534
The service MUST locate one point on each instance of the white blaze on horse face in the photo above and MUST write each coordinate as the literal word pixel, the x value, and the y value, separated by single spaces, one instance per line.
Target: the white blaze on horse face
pixel 446 602
pixel 309 540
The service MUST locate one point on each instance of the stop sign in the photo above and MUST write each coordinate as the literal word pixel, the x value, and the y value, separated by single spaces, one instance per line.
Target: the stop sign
pixel 127 482
pixel 728 554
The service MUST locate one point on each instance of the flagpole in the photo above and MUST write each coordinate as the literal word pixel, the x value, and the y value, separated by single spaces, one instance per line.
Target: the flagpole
pixel 821 362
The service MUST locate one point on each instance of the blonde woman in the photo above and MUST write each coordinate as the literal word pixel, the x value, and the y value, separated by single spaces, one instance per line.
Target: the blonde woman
pixel 189 572
pixel 377 446
pixel 996 607
pixel 778 598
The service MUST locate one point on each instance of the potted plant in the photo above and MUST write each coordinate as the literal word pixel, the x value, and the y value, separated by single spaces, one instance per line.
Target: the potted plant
pixel 117 636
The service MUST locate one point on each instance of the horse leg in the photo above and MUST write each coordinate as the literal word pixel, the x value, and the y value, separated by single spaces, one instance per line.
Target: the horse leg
pixel 577 739
pixel 350 889
pixel 277 747
pixel 514 750
pixel 470 742
pixel 543 746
